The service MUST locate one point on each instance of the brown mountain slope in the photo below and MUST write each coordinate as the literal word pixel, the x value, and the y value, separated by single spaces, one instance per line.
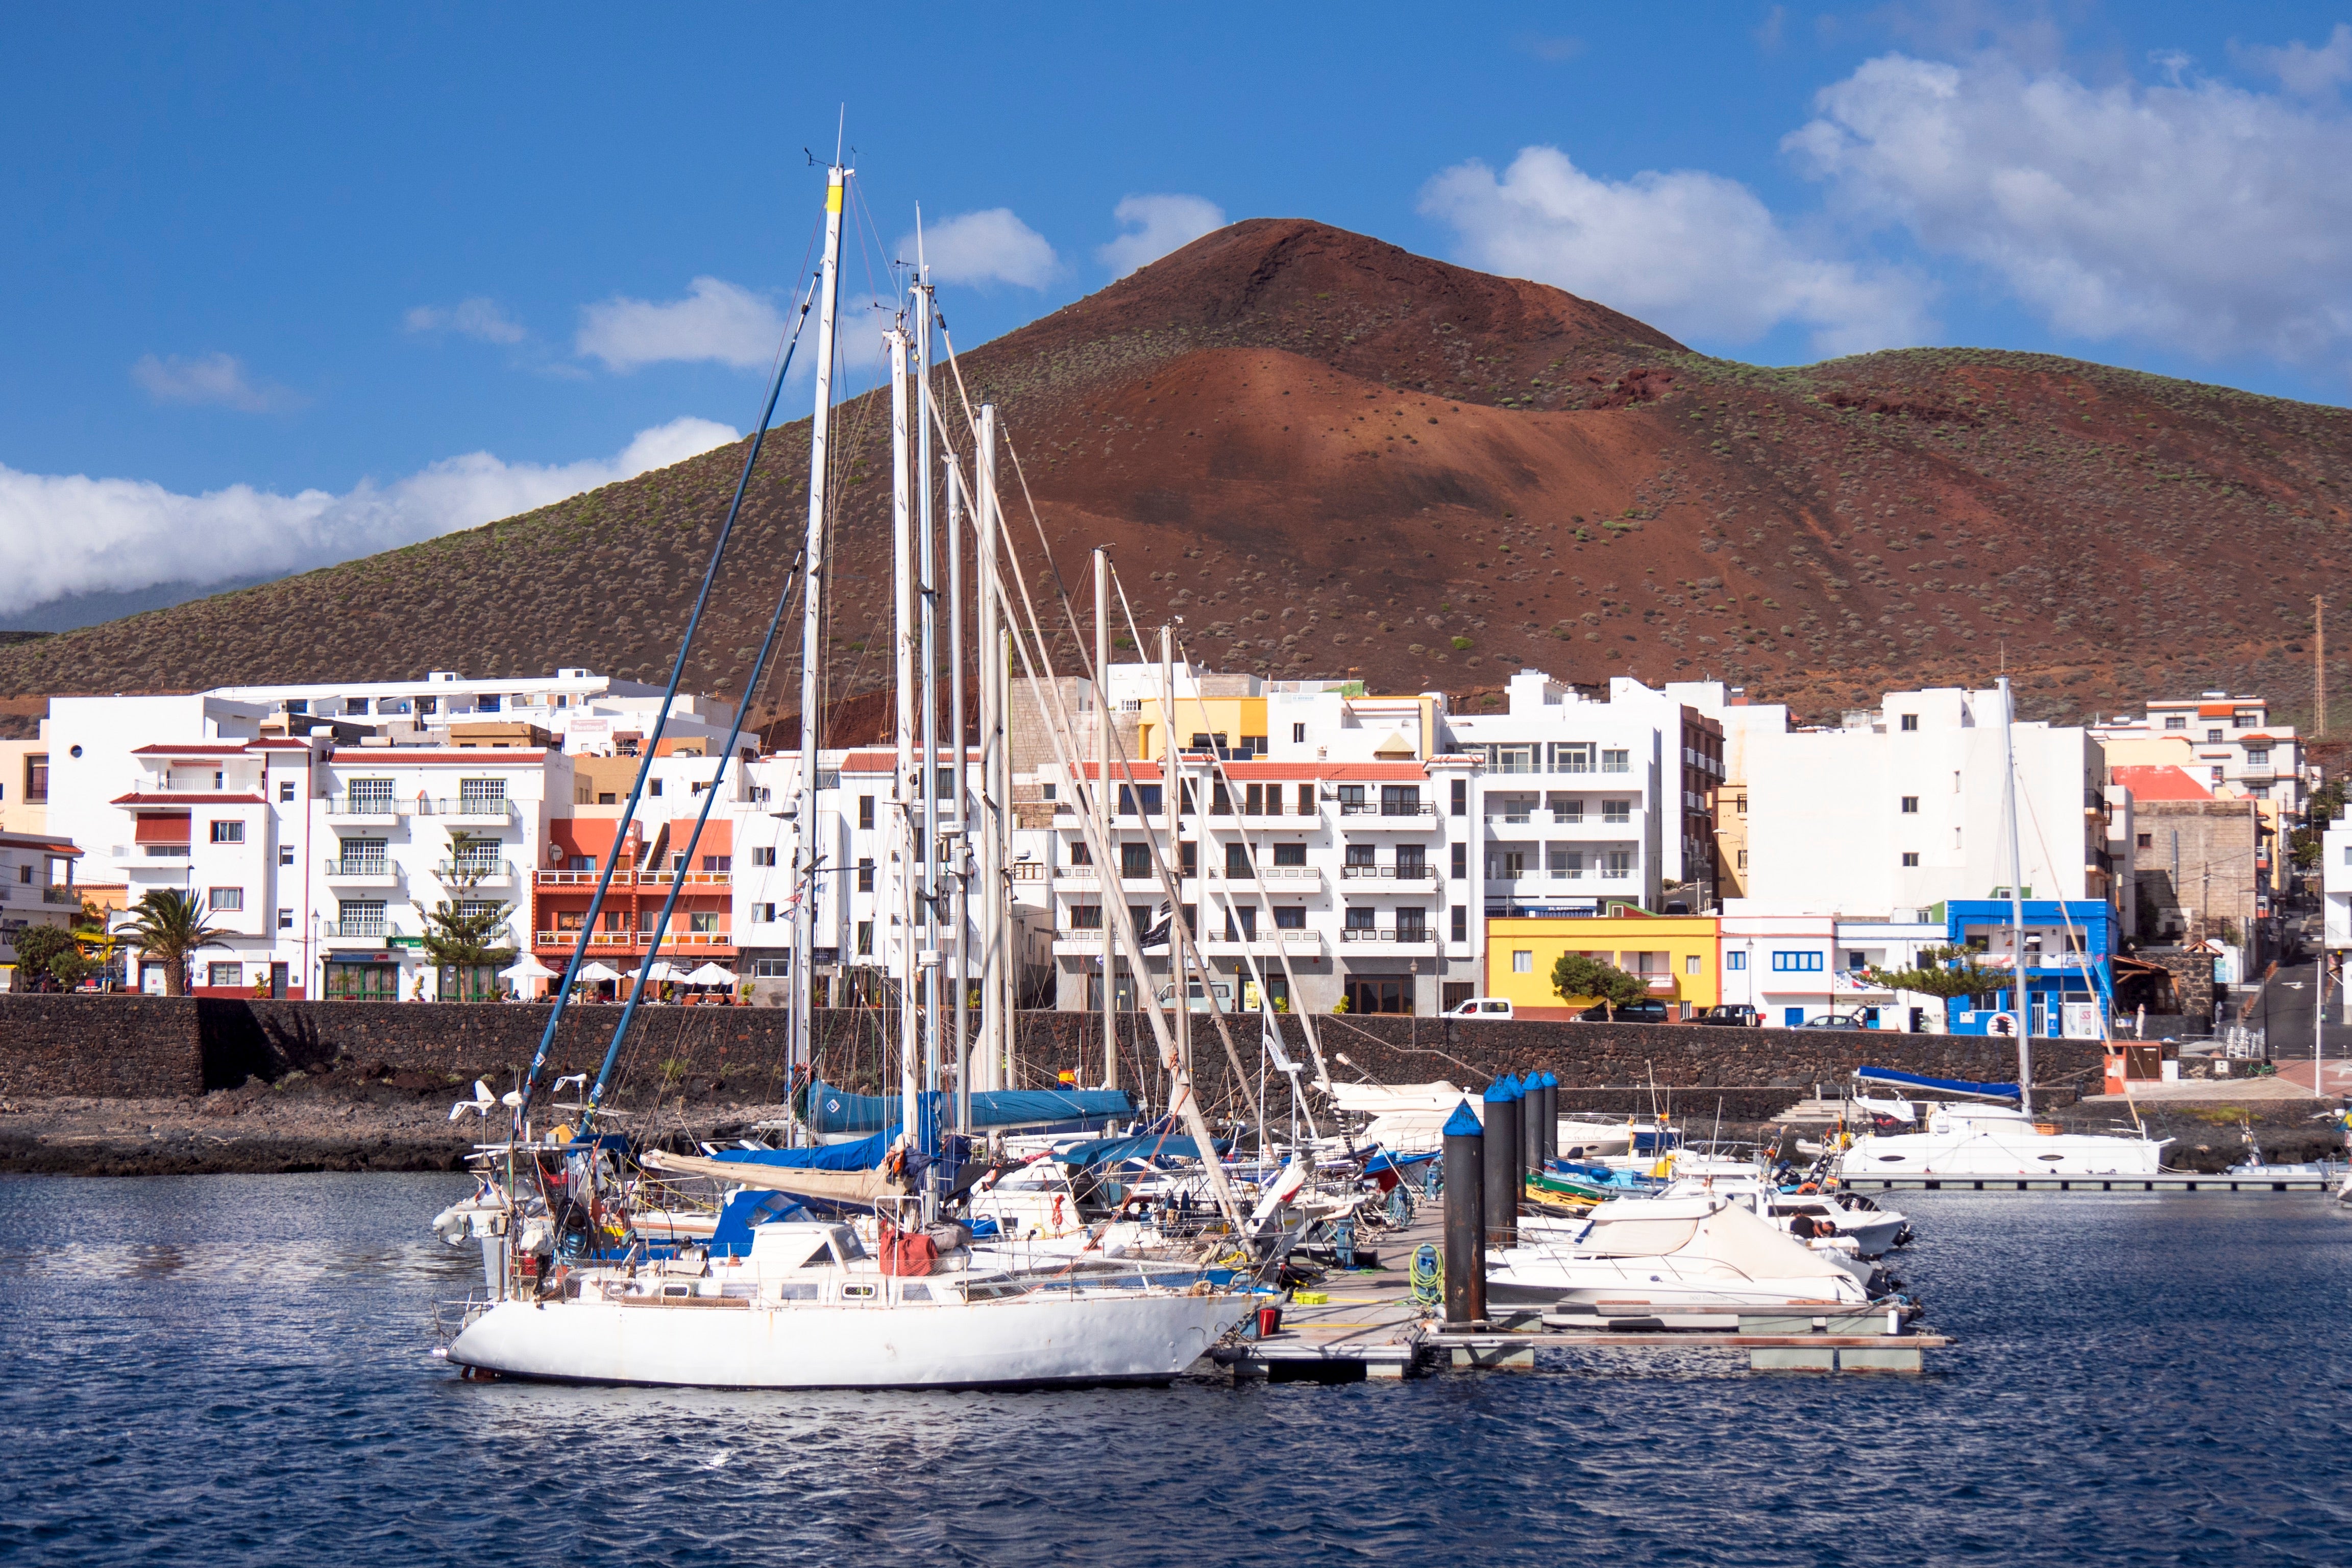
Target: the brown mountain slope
pixel 1330 457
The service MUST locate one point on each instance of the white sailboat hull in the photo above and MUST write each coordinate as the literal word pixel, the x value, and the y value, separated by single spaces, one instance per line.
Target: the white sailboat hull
pixel 1110 1336
pixel 2002 1148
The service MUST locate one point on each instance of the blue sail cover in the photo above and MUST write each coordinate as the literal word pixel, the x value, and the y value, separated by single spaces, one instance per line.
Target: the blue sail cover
pixel 866 1154
pixel 831 1109
pixel 1148 1146
pixel 1950 1085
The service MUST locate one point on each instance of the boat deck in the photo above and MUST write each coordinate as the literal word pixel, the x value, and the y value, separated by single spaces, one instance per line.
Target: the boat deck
pixel 1370 1327
pixel 2167 1182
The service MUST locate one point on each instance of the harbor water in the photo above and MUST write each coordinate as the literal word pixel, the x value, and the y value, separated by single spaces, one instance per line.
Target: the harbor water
pixel 236 1370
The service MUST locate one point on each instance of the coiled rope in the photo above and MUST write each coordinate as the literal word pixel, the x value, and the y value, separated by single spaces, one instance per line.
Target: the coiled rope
pixel 1428 1277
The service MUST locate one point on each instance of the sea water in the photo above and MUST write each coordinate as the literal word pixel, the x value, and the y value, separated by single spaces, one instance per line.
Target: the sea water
pixel 234 1369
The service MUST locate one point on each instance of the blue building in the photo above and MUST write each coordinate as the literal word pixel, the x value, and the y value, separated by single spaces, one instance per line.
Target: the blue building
pixel 2069 980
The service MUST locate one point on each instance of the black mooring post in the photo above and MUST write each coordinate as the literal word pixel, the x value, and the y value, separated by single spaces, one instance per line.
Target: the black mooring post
pixel 1504 1174
pixel 1531 1138
pixel 1550 1117
pixel 1465 1222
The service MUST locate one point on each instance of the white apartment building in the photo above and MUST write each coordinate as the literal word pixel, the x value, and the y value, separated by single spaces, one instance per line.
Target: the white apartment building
pixel 2228 741
pixel 1783 965
pixel 36 886
pixel 583 710
pixel 1902 809
pixel 2336 888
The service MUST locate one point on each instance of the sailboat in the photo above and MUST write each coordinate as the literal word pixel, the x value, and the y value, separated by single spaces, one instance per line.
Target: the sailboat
pixel 783 1292
pixel 1977 1136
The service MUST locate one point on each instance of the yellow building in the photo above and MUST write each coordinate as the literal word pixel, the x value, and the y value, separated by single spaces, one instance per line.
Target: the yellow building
pixel 1680 957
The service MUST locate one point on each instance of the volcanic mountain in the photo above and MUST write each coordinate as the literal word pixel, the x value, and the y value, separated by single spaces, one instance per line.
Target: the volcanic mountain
pixel 1329 457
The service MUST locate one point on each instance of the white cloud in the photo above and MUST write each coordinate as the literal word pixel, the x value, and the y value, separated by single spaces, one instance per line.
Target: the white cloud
pixel 992 247
pixel 717 321
pixel 475 318
pixel 216 378
pixel 2200 215
pixel 62 534
pixel 2303 69
pixel 1159 225
pixel 1692 253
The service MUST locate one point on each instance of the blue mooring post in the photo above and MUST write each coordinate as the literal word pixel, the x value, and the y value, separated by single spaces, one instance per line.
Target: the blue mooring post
pixel 1531 1129
pixel 1504 1175
pixel 1465 1222
pixel 1550 1118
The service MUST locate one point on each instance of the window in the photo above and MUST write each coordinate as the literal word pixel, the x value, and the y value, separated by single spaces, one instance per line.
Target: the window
pixel 1359 917
pixel 653 786
pixel 1616 762
pixel 286 920
pixel 1147 794
pixel 1460 870
pixel 1298 734
pixel 864 810
pixel 36 780
pixel 226 898
pixel 224 974
pixel 1290 854
pixel 1411 860
pixel 1617 865
pixel 285 853
pixel 228 832
pixel 1512 758
pixel 1854 962
pixel 1359 855
pixel 866 877
pixel 1237 860
pixel 2212 736
pixel 1254 800
pixel 763 914
pixel 1086 917
pixel 1566 809
pixel 771 969
pixel 1523 960
pixel 482 797
pixel 703 920
pixel 1253 746
pixel 1188 858
pixel 1461 797
pixel 1572 757
pixel 1399 800
pixel 1461 922
pixel 2258 756
pixel 1134 861
pixel 1910 857
pixel 1506 864
pixel 284 790
pixel 764 856
pixel 1290 917
pixel 2175 721
pixel 1350 794
pixel 1413 924
pixel 1735 961
pixel 1617 810
pixel 865 939
pixel 1049 791
pixel 1911 806
pixel 1743 860
pixel 2148 841
pixel 1690 963
pixel 1080 854
pixel 362 856
pixel 1565 865
pixel 719 863
pixel 1796 963
pixel 1910 721
pixel 1241 922
pixel 1306 806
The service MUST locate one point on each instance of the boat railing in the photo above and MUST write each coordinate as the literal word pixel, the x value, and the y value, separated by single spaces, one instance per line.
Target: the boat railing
pixel 451 1318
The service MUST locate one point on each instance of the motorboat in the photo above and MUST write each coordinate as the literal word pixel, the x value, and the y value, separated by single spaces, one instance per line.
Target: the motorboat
pixel 807 1306
pixel 1998 1140
pixel 1705 1252
pixel 1873 1231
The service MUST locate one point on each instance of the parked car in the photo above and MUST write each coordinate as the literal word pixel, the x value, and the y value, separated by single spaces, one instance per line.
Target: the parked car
pixel 1481 1008
pixel 1738 1013
pixel 1636 1013
pixel 1836 1021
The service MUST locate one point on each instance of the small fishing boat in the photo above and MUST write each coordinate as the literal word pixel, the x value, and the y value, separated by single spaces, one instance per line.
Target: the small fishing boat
pixel 1704 1253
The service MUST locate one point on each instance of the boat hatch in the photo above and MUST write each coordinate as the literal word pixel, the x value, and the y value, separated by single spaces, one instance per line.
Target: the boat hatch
pixel 678 1291
pixel 857 1292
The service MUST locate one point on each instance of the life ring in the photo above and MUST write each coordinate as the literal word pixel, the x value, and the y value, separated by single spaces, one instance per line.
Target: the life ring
pixel 1809 1186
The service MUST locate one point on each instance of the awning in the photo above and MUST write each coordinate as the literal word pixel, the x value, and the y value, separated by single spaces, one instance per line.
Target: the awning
pixel 597 969
pixel 160 827
pixel 529 968
pixel 711 974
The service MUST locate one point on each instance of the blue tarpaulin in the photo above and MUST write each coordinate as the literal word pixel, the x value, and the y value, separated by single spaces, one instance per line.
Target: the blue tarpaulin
pixel 1150 1146
pixel 1950 1085
pixel 866 1154
pixel 831 1109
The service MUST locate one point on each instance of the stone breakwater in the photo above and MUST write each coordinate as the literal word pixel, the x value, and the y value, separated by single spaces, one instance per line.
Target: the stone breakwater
pixel 125 1084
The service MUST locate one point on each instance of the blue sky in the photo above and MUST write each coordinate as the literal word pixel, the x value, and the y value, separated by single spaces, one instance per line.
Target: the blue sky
pixel 286 284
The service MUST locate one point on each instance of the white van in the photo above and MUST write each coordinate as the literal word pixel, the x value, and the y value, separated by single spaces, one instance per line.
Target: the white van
pixel 1198 998
pixel 1481 1008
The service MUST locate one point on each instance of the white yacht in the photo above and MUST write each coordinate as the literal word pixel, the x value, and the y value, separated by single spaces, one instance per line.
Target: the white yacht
pixel 1873 1231
pixel 1699 1253
pixel 1409 1118
pixel 808 1306
pixel 1969 1140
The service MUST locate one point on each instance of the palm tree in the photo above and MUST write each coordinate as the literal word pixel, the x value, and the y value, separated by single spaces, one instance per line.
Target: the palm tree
pixel 170 927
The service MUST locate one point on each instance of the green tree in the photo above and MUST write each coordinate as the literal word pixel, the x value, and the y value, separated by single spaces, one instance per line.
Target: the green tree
pixel 1577 977
pixel 170 927
pixel 459 930
pixel 1943 971
pixel 40 951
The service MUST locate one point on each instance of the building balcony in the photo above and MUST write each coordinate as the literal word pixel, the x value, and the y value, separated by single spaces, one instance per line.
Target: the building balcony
pixel 481 873
pixel 699 942
pixel 1267 944
pixel 374 932
pixel 362 874
pixel 467 811
pixel 62 893
pixel 1028 871
pixel 1416 876
pixel 1416 939
pixel 691 878
pixel 365 810
pixel 1271 879
pixel 575 878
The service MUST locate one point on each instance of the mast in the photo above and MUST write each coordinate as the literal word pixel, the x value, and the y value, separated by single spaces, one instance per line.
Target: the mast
pixel 959 827
pixel 927 768
pixel 804 839
pixel 1098 803
pixel 2016 898
pixel 1171 785
pixel 903 784
pixel 992 728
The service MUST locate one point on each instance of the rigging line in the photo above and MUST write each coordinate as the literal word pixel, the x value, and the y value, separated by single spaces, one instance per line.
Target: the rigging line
pixel 661 720
pixel 678 875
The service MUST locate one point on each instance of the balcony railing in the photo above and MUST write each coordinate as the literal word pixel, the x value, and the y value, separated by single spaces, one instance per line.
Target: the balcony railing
pixel 365 805
pixel 1387 808
pixel 499 870
pixel 61 893
pixel 1403 936
pixel 346 871
pixel 464 807
pixel 691 879
pixel 377 930
pixel 151 851
pixel 1028 870
pixel 1423 873
pixel 636 939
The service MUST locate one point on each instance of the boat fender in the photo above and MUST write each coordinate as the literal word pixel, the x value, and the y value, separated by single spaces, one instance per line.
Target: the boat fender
pixel 1057 1211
